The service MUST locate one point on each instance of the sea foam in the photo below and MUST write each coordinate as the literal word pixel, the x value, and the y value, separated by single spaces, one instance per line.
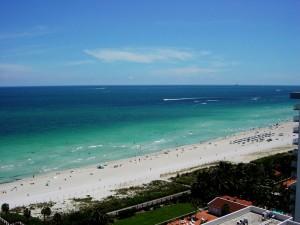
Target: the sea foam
pixel 180 99
pixel 95 146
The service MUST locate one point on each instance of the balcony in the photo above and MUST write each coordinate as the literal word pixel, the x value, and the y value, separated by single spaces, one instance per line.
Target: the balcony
pixel 297 107
pixel 296 130
pixel 295 141
pixel 296 118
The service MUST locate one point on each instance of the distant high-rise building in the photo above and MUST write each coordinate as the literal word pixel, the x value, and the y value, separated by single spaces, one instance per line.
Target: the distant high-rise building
pixel 296 95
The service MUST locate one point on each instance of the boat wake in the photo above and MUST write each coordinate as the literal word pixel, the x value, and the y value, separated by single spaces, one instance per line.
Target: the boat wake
pixel 192 98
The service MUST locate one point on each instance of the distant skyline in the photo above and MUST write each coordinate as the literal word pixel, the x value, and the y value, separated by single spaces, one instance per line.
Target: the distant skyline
pixel 149 42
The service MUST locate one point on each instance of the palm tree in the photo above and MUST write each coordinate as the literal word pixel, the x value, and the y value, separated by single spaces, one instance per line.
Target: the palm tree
pixel 202 188
pixel 46 211
pixel 5 208
pixel 57 218
pixel 27 213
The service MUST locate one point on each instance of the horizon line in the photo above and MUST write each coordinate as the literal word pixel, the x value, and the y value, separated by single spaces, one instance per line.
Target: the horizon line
pixel 90 85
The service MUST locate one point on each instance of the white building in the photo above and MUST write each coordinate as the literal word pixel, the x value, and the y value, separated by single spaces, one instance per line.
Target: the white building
pixel 253 216
pixel 296 95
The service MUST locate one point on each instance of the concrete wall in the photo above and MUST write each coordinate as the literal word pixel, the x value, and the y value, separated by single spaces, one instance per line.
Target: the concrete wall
pixel 297 200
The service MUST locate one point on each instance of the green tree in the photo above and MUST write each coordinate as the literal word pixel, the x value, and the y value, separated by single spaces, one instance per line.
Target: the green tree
pixel 99 218
pixel 57 218
pixel 202 189
pixel 27 213
pixel 5 208
pixel 46 211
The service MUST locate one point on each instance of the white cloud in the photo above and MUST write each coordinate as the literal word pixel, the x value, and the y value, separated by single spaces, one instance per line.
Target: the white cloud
pixel 33 32
pixel 224 63
pixel 12 72
pixel 79 62
pixel 14 68
pixel 189 70
pixel 205 53
pixel 143 55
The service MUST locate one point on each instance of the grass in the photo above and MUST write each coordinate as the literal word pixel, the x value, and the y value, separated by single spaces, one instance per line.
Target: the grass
pixel 190 177
pixel 84 200
pixel 158 215
pixel 136 195
pixel 14 217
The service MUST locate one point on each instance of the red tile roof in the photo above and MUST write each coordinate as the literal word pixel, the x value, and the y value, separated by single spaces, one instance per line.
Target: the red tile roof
pixel 199 215
pixel 234 203
pixel 289 182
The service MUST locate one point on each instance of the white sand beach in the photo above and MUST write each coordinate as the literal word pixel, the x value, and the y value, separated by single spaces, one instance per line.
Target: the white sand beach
pixel 99 183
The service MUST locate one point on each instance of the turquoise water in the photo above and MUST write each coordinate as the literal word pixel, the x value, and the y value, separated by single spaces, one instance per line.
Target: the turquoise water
pixel 52 128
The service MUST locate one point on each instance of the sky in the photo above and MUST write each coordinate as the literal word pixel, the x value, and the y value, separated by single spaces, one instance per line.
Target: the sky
pixel 95 42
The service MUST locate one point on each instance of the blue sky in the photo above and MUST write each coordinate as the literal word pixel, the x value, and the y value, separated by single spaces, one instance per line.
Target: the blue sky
pixel 83 42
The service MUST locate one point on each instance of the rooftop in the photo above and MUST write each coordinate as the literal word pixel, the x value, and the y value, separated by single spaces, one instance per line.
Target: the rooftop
pixel 289 182
pixel 199 218
pixel 251 216
pixel 237 200
pixel 253 219
pixel 234 203
pixel 290 222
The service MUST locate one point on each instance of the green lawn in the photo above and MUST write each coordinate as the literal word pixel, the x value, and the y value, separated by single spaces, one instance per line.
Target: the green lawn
pixel 158 215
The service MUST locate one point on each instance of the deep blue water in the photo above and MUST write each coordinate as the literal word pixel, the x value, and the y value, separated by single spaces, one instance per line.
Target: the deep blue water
pixel 51 128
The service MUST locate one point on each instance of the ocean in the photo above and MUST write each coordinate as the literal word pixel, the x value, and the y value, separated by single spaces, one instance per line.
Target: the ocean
pixel 44 129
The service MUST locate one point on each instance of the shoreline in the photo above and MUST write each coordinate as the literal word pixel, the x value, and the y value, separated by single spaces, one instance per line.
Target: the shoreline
pixel 60 186
pixel 40 174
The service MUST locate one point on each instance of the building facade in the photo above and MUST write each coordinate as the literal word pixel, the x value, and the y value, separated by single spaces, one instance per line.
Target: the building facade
pixel 296 95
